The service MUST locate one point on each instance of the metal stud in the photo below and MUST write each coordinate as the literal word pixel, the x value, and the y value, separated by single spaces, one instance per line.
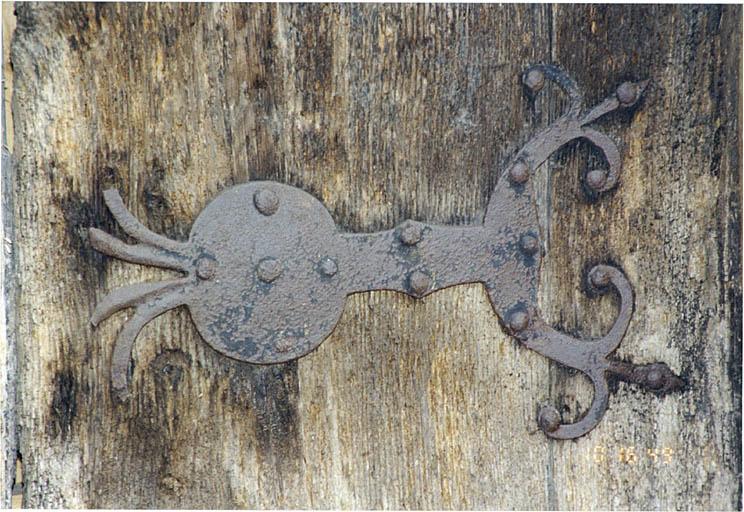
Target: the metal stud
pixel 534 80
pixel 529 244
pixel 205 268
pixel 627 93
pixel 410 234
pixel 419 282
pixel 266 202
pixel 518 321
pixel 655 379
pixel 328 267
pixel 599 277
pixel 268 269
pixel 596 179
pixel 519 172
pixel 549 419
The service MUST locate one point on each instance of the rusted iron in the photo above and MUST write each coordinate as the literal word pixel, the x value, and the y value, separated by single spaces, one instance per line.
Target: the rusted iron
pixel 266 270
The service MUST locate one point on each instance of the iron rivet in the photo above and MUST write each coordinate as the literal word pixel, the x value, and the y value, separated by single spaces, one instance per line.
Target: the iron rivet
pixel 534 80
pixel 268 269
pixel 627 93
pixel 599 277
pixel 518 321
pixel 519 172
pixel 549 419
pixel 529 244
pixel 328 267
pixel 266 201
pixel 205 268
pixel 596 179
pixel 655 379
pixel 419 282
pixel 410 234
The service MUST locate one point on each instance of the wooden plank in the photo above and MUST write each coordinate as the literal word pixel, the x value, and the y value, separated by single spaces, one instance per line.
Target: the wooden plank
pixel 674 227
pixel 384 113
pixel 8 361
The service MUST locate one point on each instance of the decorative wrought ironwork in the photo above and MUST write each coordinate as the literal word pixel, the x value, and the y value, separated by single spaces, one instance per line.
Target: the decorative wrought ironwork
pixel 266 271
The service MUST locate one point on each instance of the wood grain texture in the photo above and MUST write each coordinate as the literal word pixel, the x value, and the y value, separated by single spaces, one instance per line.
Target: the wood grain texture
pixel 383 113
pixel 8 352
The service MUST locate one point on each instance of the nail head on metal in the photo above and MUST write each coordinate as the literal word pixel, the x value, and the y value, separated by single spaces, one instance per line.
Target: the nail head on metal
pixel 599 277
pixel 266 201
pixel 529 244
pixel 419 282
pixel 627 93
pixel 269 269
pixel 655 379
pixel 596 179
pixel 534 80
pixel 328 267
pixel 410 234
pixel 549 419
pixel 519 320
pixel 205 268
pixel 519 172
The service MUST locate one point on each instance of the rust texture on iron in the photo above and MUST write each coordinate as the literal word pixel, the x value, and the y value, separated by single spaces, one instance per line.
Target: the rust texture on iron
pixel 266 271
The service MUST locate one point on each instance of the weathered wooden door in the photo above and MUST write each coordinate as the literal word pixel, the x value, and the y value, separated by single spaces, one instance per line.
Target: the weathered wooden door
pixel 383 113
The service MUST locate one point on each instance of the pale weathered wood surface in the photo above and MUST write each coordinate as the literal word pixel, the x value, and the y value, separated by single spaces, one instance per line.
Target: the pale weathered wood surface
pixel 383 113
pixel 8 368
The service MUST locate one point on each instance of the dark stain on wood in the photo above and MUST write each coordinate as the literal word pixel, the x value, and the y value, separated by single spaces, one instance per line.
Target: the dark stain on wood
pixel 78 213
pixel 168 369
pixel 64 403
pixel 269 394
